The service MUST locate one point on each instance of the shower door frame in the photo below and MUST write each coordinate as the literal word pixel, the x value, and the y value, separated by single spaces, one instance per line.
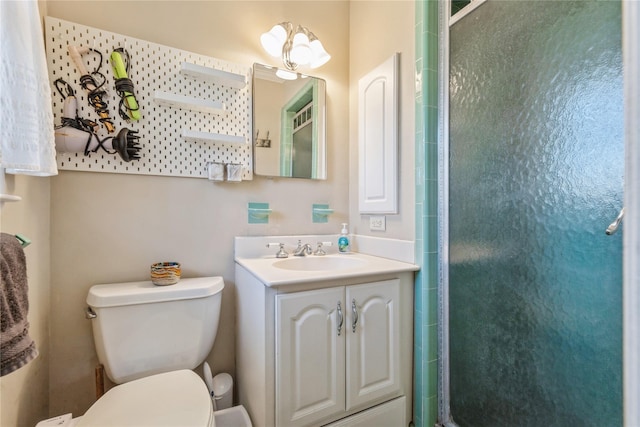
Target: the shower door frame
pixel 630 230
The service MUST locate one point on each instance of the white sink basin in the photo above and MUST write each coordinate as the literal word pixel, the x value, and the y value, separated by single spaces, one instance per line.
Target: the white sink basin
pixel 257 256
pixel 319 263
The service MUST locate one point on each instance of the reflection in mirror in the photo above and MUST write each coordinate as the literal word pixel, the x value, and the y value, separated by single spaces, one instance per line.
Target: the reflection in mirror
pixel 458 5
pixel 289 124
pixel 461 8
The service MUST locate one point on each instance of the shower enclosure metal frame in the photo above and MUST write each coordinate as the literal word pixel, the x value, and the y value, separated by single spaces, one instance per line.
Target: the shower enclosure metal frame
pixel 444 385
pixel 631 227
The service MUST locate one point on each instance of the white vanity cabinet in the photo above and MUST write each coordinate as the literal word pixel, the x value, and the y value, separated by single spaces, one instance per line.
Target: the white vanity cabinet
pixel 336 352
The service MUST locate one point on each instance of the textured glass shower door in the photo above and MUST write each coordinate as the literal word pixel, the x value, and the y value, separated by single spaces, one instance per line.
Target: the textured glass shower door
pixel 536 176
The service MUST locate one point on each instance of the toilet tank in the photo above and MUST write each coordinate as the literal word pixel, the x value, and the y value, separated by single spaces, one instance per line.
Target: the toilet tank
pixel 141 329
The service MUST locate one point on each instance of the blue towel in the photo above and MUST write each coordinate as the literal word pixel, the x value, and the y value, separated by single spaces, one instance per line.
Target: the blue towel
pixel 16 347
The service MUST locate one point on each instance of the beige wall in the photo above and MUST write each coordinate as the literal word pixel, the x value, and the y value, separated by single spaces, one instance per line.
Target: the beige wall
pixel 111 227
pixel 24 394
pixel 377 30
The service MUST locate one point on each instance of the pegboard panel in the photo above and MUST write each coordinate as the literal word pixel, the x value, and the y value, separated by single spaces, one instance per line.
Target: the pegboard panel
pixel 153 68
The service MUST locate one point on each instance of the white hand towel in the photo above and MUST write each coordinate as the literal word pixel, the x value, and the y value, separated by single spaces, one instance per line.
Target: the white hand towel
pixel 26 115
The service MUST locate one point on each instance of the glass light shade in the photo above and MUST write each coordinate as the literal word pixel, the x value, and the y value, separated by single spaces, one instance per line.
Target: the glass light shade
pixel 273 40
pixel 319 55
pixel 286 75
pixel 301 51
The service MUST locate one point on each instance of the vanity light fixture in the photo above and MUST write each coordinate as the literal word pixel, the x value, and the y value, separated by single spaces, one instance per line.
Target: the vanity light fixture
pixel 299 47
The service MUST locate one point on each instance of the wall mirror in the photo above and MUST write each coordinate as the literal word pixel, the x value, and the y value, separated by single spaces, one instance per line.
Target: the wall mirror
pixel 289 124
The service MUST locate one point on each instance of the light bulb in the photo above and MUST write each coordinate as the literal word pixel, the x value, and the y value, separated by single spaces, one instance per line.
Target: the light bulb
pixel 273 40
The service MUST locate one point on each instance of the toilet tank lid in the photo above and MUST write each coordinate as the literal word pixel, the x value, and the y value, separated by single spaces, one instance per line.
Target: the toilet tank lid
pixel 119 294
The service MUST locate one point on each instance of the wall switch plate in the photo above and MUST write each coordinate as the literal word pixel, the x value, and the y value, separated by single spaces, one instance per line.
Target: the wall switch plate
pixel 377 223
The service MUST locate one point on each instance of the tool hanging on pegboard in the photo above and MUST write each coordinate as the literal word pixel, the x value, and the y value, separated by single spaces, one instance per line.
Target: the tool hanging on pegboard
pixel 77 135
pixel 92 83
pixel 128 107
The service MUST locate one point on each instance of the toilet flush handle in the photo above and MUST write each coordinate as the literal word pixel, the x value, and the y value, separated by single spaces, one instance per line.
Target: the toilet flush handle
pixel 90 314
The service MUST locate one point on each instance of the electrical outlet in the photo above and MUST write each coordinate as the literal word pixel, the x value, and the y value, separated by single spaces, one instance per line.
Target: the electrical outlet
pixel 377 223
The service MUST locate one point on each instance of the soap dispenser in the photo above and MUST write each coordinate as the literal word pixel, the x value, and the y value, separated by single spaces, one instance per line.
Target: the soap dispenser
pixel 344 246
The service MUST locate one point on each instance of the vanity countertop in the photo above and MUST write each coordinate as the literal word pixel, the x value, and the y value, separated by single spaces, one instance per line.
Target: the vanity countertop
pixel 275 272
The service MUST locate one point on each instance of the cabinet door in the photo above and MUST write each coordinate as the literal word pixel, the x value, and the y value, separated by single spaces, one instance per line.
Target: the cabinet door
pixel 310 352
pixel 373 342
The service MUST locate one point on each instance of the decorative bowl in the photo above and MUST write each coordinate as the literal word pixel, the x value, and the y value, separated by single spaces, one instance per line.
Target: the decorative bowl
pixel 165 273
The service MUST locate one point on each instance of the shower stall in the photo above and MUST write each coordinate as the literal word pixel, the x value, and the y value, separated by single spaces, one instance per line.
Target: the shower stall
pixel 531 285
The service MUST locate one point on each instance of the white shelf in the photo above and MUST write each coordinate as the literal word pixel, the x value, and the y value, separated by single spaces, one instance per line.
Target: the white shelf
pixel 197 136
pixel 189 103
pixel 9 198
pixel 211 74
pixel 4 197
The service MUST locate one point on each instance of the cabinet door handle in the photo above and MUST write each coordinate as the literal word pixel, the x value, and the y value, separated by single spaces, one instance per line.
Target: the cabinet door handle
pixel 354 311
pixel 340 318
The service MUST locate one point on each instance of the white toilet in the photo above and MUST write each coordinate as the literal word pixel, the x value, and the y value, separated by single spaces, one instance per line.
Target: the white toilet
pixel 149 338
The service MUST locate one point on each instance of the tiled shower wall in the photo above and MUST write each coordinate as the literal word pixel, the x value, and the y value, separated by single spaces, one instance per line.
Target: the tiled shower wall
pixel 426 297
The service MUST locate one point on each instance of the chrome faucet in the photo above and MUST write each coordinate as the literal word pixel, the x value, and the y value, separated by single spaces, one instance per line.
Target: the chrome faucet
pixel 281 252
pixel 319 250
pixel 302 250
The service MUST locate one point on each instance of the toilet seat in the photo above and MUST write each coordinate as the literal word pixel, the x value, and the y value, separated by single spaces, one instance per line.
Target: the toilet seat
pixel 178 398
